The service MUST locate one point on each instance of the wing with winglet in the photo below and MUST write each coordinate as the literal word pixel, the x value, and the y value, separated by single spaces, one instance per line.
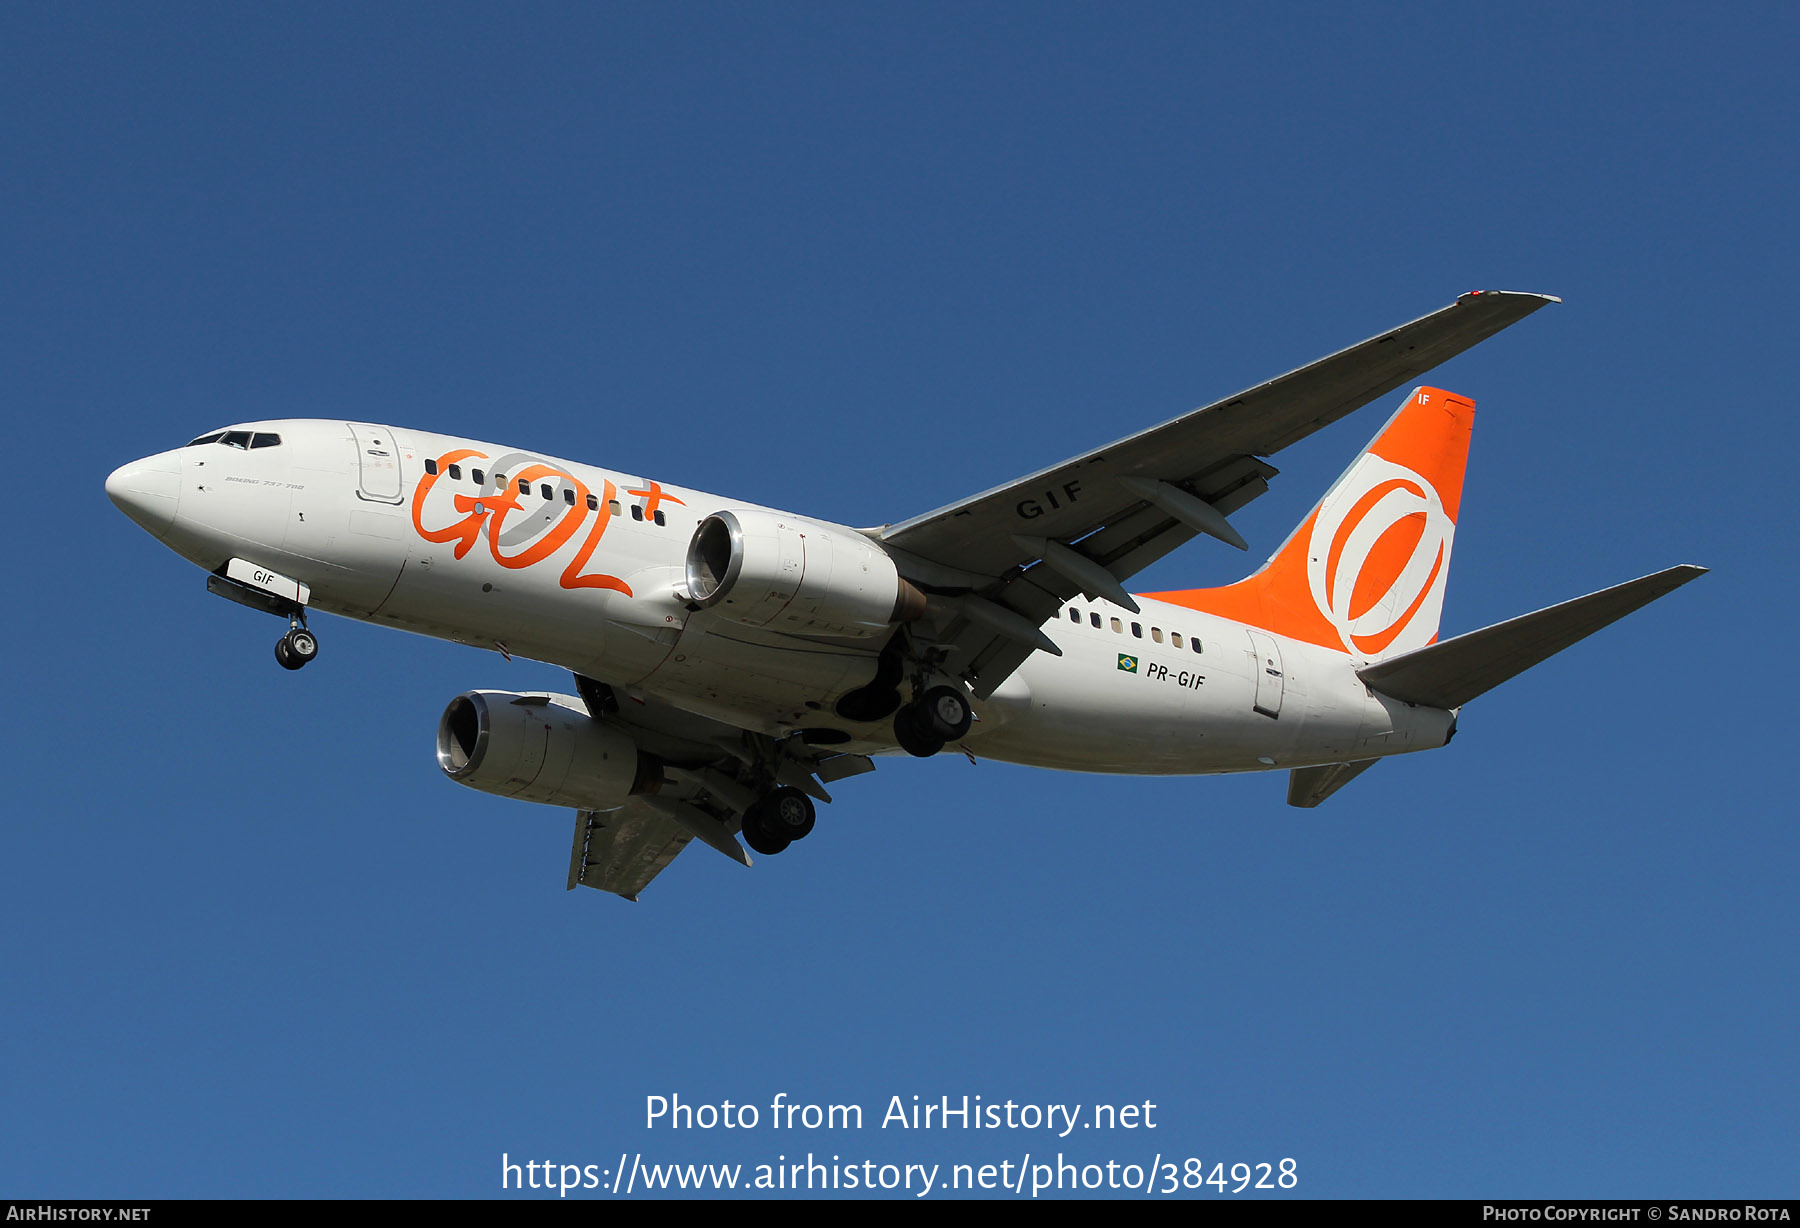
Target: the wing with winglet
pixel 1012 555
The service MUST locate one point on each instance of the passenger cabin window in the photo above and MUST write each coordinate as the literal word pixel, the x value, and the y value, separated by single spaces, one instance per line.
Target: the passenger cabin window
pixel 1074 615
pixel 1095 619
pixel 524 487
pixel 659 517
pixel 263 439
pixel 1175 638
pixel 431 466
pixel 236 439
pixel 593 503
pixel 1196 644
pixel 1156 634
pixel 612 507
pixel 637 513
pixel 475 475
pixel 569 495
pixel 455 472
pixel 212 438
pixel 1137 630
pixel 1118 627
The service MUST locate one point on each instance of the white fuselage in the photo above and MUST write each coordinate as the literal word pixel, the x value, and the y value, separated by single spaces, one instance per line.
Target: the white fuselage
pixel 582 580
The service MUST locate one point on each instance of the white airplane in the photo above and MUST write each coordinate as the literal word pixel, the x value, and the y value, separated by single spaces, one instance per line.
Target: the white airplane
pixel 731 660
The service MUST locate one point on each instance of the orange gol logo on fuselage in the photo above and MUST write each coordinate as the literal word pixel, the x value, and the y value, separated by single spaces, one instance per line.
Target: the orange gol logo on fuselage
pixel 540 529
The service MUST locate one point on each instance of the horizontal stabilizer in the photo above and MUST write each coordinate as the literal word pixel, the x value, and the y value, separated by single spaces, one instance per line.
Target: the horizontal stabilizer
pixel 1307 787
pixel 1450 674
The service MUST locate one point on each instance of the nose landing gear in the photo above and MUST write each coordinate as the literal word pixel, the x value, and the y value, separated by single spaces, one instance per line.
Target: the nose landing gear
pixel 251 584
pixel 296 648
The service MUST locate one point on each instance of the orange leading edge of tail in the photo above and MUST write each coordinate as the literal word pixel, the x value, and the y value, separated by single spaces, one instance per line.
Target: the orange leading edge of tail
pixel 1365 571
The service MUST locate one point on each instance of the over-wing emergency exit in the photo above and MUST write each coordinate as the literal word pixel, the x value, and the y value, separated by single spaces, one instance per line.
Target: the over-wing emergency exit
pixel 732 661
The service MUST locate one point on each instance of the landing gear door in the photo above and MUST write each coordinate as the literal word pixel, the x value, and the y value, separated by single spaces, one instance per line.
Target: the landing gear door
pixel 1269 683
pixel 378 464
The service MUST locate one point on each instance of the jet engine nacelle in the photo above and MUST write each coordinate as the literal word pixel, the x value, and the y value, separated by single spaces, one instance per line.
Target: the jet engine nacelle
pixel 782 573
pixel 540 748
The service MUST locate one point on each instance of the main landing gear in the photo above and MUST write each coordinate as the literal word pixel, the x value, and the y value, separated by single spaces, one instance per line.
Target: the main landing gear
pixel 777 820
pixel 297 647
pixel 937 716
pixel 940 716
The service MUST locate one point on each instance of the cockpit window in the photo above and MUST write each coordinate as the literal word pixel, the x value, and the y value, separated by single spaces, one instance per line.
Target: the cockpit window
pixel 240 439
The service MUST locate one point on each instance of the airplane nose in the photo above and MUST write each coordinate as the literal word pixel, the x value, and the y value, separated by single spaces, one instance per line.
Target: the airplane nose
pixel 147 490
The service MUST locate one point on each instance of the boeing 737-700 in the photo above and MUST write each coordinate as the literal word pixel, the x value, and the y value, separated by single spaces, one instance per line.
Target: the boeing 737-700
pixel 730 661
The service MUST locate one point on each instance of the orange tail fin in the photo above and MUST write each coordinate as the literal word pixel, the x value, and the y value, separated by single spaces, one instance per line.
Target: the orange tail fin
pixel 1365 572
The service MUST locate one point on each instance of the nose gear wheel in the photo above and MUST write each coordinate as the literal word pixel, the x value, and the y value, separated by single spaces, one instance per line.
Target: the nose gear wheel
pixel 296 648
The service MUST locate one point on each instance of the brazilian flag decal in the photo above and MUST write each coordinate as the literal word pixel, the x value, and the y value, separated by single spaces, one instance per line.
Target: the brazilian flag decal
pixel 1128 664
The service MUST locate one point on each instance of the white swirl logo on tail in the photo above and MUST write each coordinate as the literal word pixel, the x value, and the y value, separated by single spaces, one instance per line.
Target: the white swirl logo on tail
pixel 1378 558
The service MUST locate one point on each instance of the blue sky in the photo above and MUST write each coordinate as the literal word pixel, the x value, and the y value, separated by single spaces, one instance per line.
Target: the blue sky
pixel 859 261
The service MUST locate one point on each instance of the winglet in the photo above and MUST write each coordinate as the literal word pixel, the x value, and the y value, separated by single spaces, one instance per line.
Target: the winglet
pixel 1548 298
